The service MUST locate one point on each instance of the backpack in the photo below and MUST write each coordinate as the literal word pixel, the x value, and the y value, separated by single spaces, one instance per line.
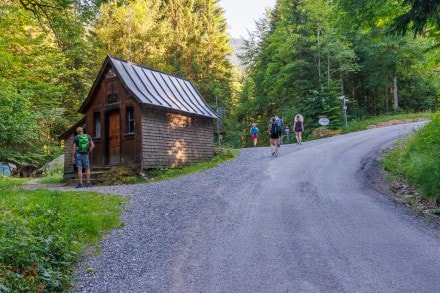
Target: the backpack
pixel 83 143
pixel 254 130
pixel 275 128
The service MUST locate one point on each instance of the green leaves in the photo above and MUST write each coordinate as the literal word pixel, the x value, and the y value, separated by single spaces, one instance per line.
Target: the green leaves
pixel 42 232
pixel 418 160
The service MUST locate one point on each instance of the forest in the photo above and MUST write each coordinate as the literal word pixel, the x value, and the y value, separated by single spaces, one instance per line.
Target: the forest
pixel 305 56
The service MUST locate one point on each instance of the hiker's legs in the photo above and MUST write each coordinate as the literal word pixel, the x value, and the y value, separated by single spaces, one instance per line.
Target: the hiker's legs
pixel 88 175
pixel 86 164
pixel 272 146
pixel 79 166
pixel 80 175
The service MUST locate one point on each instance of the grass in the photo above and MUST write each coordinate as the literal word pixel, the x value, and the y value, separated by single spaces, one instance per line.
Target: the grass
pixel 417 160
pixel 166 174
pixel 357 125
pixel 42 233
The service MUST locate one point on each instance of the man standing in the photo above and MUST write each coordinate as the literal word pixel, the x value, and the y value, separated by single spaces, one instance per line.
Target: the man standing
pixel 82 147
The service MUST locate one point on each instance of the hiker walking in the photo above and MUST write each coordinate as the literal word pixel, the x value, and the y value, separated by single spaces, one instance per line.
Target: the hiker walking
pixel 280 123
pixel 274 134
pixel 82 147
pixel 298 128
pixel 254 134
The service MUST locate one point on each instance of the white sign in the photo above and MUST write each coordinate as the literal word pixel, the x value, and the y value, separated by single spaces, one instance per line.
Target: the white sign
pixel 323 121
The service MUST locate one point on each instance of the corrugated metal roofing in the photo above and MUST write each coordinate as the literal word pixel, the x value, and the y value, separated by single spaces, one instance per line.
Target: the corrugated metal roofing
pixel 160 89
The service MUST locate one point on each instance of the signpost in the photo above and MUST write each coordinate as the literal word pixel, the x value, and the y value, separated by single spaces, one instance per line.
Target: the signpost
pixel 344 107
pixel 287 131
pixel 323 121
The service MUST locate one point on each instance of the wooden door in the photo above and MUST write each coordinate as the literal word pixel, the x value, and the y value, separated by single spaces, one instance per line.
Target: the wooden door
pixel 114 138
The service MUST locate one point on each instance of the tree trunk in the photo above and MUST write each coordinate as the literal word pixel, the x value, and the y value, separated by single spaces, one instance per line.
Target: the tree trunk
pixel 387 104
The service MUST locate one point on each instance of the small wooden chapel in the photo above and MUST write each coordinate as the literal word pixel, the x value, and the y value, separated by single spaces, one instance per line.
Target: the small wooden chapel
pixel 143 118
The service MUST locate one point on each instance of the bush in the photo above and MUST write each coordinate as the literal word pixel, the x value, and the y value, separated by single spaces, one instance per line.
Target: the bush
pixel 418 160
pixel 42 232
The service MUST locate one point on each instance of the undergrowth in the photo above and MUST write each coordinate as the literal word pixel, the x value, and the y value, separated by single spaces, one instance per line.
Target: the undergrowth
pixel 417 159
pixel 42 233
pixel 222 155
pixel 357 125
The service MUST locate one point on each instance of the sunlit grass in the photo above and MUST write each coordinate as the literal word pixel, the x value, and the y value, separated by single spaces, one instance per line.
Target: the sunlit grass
pixel 357 125
pixel 166 174
pixel 42 232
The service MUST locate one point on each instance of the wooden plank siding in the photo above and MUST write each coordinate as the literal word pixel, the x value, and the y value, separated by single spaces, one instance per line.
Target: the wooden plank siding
pixel 143 118
pixel 69 171
pixel 174 140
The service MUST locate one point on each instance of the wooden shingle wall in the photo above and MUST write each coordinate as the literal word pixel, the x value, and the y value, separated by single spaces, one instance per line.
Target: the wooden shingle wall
pixel 175 140
pixel 69 172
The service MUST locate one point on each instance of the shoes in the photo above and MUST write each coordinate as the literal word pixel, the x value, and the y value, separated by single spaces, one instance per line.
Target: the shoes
pixel 273 153
pixel 88 184
pixel 79 186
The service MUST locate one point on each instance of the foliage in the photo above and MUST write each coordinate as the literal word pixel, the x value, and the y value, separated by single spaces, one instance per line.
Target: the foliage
pixel 33 89
pixel 418 160
pixel 419 16
pixel 305 54
pixel 223 155
pixel 119 175
pixel 42 233
pixel 356 125
pixel 142 37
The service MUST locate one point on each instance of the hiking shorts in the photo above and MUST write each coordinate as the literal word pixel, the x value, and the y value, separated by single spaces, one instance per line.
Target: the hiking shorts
pixel 82 160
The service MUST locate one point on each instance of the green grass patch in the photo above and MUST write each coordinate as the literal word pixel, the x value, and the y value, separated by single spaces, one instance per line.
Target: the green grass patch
pixel 42 232
pixel 52 178
pixel 417 159
pixel 357 125
pixel 222 155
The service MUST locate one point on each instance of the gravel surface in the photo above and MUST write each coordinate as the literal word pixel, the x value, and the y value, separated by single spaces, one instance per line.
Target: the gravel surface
pixel 176 233
pixel 160 219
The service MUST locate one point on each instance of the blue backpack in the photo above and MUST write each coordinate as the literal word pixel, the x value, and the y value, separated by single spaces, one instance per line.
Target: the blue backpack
pixel 254 130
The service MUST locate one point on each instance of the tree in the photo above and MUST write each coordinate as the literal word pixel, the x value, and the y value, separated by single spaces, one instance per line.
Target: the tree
pixel 31 88
pixel 419 16
pixel 140 30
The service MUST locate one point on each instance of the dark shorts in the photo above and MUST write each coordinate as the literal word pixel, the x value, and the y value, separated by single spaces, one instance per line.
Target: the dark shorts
pixel 274 135
pixel 82 160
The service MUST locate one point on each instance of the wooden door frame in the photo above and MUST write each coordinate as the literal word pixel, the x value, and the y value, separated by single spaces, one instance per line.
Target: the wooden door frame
pixel 107 134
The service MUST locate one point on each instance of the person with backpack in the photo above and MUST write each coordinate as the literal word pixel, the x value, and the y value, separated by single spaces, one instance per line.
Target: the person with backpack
pixel 82 146
pixel 254 134
pixel 274 134
pixel 280 123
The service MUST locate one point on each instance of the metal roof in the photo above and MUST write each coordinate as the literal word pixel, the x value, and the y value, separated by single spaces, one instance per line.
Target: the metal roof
pixel 156 88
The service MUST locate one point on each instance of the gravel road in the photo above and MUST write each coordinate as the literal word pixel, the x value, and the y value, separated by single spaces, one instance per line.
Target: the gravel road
pixel 306 221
